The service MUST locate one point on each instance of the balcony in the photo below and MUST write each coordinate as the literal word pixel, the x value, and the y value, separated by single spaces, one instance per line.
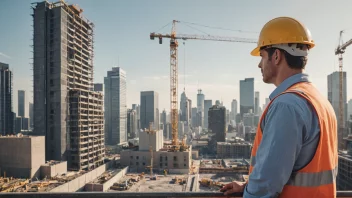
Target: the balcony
pixel 344 194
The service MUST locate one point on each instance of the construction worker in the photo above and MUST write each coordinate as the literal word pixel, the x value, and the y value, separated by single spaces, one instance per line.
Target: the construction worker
pixel 295 149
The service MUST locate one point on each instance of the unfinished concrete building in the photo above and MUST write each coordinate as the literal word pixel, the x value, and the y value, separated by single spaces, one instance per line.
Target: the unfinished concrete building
pixel 63 74
pixel 86 124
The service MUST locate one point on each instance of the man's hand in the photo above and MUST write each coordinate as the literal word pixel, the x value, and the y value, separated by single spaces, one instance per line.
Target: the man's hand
pixel 233 187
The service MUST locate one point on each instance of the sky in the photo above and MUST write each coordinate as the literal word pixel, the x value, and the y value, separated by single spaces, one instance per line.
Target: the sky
pixel 122 31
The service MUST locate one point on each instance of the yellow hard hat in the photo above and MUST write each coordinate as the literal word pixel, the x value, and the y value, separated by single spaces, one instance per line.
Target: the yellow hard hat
pixel 283 30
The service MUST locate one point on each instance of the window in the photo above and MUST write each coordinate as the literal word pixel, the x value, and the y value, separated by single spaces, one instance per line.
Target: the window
pixel 131 157
pixel 184 165
pixel 137 163
pixel 137 157
pixel 165 164
pixel 143 163
pixel 161 165
pixel 175 158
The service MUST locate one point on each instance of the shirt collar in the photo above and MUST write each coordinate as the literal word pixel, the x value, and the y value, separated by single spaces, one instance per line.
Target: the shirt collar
pixel 288 83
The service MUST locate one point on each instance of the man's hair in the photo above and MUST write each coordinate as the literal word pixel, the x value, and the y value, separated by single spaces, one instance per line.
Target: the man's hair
pixel 294 62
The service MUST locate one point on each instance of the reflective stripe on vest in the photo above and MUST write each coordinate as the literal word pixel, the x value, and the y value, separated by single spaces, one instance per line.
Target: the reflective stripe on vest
pixel 313 179
pixel 308 179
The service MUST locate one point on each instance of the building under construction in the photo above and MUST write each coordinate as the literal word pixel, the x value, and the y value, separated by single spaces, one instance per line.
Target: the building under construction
pixel 154 154
pixel 66 111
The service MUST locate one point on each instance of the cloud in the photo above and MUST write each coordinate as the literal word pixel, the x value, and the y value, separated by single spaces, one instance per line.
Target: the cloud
pixel 4 55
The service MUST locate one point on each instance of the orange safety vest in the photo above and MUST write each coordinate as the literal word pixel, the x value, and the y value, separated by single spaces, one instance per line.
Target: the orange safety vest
pixel 318 177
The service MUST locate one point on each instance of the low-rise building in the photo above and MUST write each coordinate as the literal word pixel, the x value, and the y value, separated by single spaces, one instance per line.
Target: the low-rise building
pixel 233 150
pixel 22 156
pixel 344 177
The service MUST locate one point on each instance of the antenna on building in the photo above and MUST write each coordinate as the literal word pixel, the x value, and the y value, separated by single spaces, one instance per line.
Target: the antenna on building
pixel 184 65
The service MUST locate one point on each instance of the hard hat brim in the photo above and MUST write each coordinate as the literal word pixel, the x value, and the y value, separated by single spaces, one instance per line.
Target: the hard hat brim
pixel 256 51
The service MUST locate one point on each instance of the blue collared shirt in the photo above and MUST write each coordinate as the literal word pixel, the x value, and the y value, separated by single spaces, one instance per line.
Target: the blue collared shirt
pixel 290 137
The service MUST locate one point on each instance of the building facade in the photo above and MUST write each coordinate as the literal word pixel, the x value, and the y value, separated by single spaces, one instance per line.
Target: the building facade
pixel 246 95
pixel 149 109
pixel 115 113
pixel 21 102
pixel 256 103
pixel 30 115
pixel 233 109
pixel 217 122
pixel 233 150
pixel 207 105
pixel 200 108
pixel 6 115
pixel 65 110
pixel 132 131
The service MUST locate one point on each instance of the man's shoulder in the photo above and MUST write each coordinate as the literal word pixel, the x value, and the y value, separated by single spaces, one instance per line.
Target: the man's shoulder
pixel 293 101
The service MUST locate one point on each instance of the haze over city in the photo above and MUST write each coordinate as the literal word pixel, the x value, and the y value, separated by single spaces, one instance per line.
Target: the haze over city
pixel 122 39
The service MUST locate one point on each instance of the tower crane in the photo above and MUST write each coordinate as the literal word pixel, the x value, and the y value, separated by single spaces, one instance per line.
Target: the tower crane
pixel 174 70
pixel 339 51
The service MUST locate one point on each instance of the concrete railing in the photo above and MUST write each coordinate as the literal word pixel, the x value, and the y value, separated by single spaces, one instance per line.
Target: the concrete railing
pixel 340 194
pixel 78 183
pixel 105 186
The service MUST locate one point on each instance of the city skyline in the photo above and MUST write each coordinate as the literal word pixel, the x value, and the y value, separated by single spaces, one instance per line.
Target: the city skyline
pixel 230 57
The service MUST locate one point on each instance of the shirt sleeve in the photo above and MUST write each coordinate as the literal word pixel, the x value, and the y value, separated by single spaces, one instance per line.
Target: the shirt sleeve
pixel 280 146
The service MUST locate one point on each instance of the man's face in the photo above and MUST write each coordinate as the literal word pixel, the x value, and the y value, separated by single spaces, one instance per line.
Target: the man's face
pixel 267 67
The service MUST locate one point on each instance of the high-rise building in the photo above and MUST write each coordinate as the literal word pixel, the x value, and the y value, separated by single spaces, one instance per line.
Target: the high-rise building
pixel 66 110
pixel 132 130
pixel 207 105
pixel 246 95
pixel 334 99
pixel 164 122
pixel 184 107
pixel 137 108
pixel 19 124
pixel 233 109
pixel 349 109
pixel 21 102
pixel 200 108
pixel 334 93
pixel 31 115
pixel 217 122
pixel 194 116
pixel 115 107
pixel 189 101
pixel 6 115
pixel 256 103
pixel 149 109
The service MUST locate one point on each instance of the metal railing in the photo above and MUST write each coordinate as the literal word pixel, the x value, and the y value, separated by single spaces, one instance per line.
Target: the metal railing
pixel 134 194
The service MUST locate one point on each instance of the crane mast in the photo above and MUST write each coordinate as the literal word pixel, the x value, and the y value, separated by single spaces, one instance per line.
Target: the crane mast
pixel 174 72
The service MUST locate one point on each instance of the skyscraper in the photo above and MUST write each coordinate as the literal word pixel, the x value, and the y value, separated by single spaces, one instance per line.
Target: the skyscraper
pixel 246 95
pixel 217 122
pixel 184 107
pixel 149 109
pixel 6 114
pixel 200 108
pixel 132 123
pixel 21 102
pixel 115 107
pixel 190 111
pixel 233 109
pixel 63 83
pixel 334 93
pixel 207 105
pixel 31 115
pixel 349 109
pixel 256 103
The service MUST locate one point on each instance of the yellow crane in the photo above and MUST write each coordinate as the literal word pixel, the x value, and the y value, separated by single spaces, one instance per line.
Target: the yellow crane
pixel 174 69
pixel 339 51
